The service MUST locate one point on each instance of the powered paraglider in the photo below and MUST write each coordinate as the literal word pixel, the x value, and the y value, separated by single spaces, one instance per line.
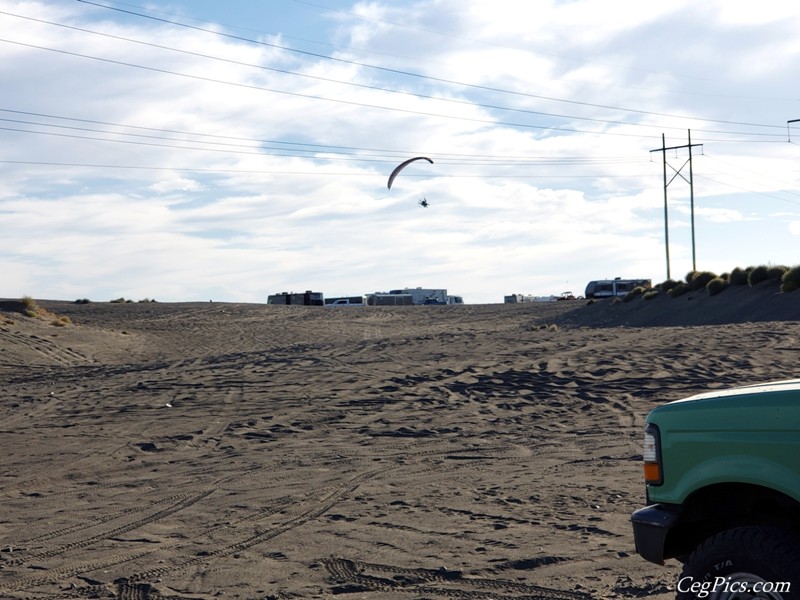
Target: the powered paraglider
pixel 402 166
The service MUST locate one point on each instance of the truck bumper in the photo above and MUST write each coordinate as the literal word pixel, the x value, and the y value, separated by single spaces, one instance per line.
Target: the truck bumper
pixel 651 526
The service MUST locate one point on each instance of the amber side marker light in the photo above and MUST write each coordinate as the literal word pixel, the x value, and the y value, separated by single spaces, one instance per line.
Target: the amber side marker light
pixel 652 456
pixel 652 474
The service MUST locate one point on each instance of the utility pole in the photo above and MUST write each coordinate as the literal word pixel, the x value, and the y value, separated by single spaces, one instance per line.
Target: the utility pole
pixel 666 216
pixel 789 130
pixel 690 181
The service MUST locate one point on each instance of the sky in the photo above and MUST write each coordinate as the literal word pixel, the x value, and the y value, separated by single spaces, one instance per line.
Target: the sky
pixel 200 150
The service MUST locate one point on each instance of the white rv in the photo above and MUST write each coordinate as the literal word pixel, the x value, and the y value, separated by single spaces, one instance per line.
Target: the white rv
pixel 429 296
pixel 608 288
pixel 383 299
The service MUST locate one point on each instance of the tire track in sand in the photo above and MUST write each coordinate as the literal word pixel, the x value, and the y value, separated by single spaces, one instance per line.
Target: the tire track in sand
pixel 353 576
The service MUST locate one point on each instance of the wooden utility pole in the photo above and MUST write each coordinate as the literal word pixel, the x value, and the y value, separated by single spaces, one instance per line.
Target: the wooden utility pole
pixel 690 181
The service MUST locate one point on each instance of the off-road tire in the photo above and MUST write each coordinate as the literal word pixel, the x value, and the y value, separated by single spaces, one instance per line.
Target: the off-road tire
pixel 764 553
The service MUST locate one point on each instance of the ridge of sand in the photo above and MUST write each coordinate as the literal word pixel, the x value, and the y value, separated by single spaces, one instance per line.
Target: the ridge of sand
pixel 736 304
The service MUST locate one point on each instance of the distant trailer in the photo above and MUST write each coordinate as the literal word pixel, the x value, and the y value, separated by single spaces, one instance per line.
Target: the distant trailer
pixel 346 301
pixel 307 298
pixel 380 299
pixel 429 296
pixel 609 288
pixel 525 298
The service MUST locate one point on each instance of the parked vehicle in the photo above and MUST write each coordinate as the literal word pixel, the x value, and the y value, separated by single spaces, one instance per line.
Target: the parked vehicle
pixel 527 298
pixel 381 299
pixel 429 296
pixel 307 298
pixel 608 288
pixel 723 491
pixel 346 301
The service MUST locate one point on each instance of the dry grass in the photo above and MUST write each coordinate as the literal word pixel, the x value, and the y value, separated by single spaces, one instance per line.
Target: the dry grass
pixel 28 307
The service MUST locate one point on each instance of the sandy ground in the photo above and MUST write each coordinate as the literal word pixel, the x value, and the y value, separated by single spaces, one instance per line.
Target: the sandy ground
pixel 207 450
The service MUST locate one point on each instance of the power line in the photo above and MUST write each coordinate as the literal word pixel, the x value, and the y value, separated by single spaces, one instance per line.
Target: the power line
pixel 360 104
pixel 374 156
pixel 325 79
pixel 424 77
pixel 379 88
pixel 315 147
pixel 750 191
pixel 340 151
pixel 621 67
pixel 309 96
pixel 350 48
pixel 305 173
pixel 736 175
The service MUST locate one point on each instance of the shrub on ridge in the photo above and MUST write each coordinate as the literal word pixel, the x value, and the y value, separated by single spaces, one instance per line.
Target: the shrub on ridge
pixel 667 285
pixel 791 279
pixel 637 291
pixel 738 276
pixel 776 271
pixel 699 279
pixel 757 275
pixel 716 285
pixel 678 290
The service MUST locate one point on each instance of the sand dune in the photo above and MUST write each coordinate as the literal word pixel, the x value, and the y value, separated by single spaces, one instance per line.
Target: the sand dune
pixel 207 450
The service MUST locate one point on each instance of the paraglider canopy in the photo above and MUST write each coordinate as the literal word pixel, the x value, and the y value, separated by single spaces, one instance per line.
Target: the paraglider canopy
pixel 402 166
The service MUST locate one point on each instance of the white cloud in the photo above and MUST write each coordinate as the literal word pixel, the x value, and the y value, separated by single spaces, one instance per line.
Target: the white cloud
pixel 176 184
pixel 213 178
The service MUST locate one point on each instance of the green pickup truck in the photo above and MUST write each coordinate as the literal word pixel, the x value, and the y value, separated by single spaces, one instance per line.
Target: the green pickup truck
pixel 722 473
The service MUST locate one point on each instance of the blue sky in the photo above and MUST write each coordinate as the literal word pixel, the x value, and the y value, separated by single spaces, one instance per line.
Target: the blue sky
pixel 206 150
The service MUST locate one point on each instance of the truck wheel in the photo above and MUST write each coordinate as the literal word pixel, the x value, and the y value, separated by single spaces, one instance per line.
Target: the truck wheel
pixel 745 562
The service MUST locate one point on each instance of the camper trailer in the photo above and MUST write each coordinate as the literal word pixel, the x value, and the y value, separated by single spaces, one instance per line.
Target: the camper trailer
pixel 307 298
pixel 527 298
pixel 609 288
pixel 382 299
pixel 429 296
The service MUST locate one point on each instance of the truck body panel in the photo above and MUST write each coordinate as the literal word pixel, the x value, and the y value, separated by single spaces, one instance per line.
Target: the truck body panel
pixel 716 463
pixel 744 435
